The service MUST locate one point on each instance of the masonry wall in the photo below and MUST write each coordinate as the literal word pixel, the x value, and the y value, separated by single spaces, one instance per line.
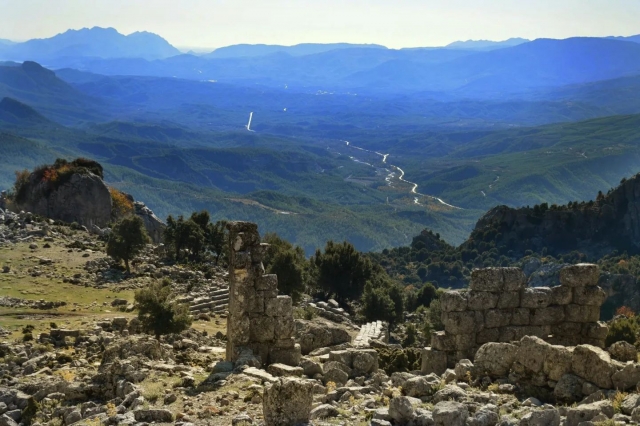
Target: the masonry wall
pixel 498 307
pixel 259 320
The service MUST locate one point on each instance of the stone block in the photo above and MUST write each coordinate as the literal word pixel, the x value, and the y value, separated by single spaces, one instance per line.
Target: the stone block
pixel 547 316
pixel 364 361
pixel 580 275
pixel 287 402
pixel 284 327
pixel 462 322
pixel 481 300
pixel 286 356
pixel 598 330
pixel 561 295
pixel 465 341
pixel 557 361
pixel 494 359
pixel 494 318
pixel 267 282
pixel 453 301
pixel 487 279
pixel 442 341
pixel 532 353
pixel 283 370
pixel 281 306
pixel 514 279
pixel 262 329
pixel 345 357
pixel 283 343
pixel 513 333
pixel 592 296
pixel 521 316
pixel 508 299
pixel 256 303
pixel 567 329
pixel 433 361
pixel 535 297
pixel 488 335
pixel 582 313
pixel 593 365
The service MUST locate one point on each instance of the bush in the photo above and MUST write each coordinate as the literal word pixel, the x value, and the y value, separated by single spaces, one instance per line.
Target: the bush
pixel 399 360
pixel 622 329
pixel 122 205
pixel 158 313
pixel 127 239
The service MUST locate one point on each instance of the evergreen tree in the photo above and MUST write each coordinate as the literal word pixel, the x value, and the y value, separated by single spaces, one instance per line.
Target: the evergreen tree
pixel 158 314
pixel 127 239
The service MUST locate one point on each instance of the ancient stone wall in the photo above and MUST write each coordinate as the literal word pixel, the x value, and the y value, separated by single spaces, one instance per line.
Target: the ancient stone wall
pixel 498 307
pixel 259 320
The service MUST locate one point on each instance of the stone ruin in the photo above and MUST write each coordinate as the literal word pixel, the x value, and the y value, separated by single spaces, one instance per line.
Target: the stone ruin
pixel 260 323
pixel 499 307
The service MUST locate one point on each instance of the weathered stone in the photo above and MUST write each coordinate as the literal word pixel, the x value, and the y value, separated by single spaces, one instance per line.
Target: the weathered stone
pixel 593 364
pixel 494 318
pixel 514 279
pixel 623 351
pixel 287 402
pixel 450 413
pixel 508 299
pixel 586 412
pixel 453 301
pixel 310 367
pixel 262 329
pixel 557 362
pixel 336 376
pixel 312 336
pixel 286 356
pixel 433 361
pixel 465 341
pixel 495 359
pixel 281 306
pixel 401 409
pixel 598 331
pixel 511 334
pixel 629 403
pixel 592 296
pixel 580 275
pixel 568 388
pixel 582 313
pixel 463 369
pixel 548 417
pixel 521 316
pixel 481 300
pixel 365 361
pixel 547 316
pixel 487 279
pixel 627 378
pixel 538 297
pixel 567 329
pixel 282 370
pixel 323 411
pixel 442 341
pixel 561 295
pixel 421 386
pixel 532 353
pixel 267 282
pixel 450 393
pixel 153 415
pixel 487 335
pixel 462 322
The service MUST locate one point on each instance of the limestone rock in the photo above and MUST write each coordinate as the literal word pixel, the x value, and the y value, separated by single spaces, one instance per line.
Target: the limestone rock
pixel 580 275
pixel 568 388
pixel 623 351
pixel 320 334
pixel 586 412
pixel 287 402
pixel 154 415
pixel 401 409
pixel 593 364
pixel 420 386
pixel 323 411
pixel 495 359
pixel 627 378
pixel 450 413
pixel 548 417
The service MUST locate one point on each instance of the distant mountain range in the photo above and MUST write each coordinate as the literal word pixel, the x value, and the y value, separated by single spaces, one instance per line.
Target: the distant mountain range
pixel 486 44
pixel 104 43
pixel 255 50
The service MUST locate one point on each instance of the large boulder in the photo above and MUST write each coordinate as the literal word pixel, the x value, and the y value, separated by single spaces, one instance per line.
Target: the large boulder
pixel 82 198
pixel 494 359
pixel 420 386
pixel 287 402
pixel 154 226
pixel 594 365
pixel 319 334
pixel 450 413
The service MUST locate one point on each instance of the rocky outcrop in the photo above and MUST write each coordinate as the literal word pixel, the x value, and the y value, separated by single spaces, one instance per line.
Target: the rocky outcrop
pixel 154 226
pixel 83 198
pixel 597 227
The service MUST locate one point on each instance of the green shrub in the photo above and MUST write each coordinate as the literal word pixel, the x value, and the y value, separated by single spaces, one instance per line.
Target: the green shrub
pixel 399 360
pixel 622 329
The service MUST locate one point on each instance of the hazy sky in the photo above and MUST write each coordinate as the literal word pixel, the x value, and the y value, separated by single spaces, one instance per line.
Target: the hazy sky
pixel 395 23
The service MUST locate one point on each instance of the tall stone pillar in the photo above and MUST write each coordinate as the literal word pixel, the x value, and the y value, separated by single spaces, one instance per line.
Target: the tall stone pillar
pixel 259 319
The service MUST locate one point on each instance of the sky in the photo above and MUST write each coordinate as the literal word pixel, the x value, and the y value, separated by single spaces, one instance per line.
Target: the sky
pixel 393 23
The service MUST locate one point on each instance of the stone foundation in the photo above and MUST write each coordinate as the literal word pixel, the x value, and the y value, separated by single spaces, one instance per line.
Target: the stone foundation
pixel 498 307
pixel 259 319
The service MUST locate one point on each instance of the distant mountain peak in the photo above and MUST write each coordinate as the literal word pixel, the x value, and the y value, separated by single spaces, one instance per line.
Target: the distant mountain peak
pixel 14 112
